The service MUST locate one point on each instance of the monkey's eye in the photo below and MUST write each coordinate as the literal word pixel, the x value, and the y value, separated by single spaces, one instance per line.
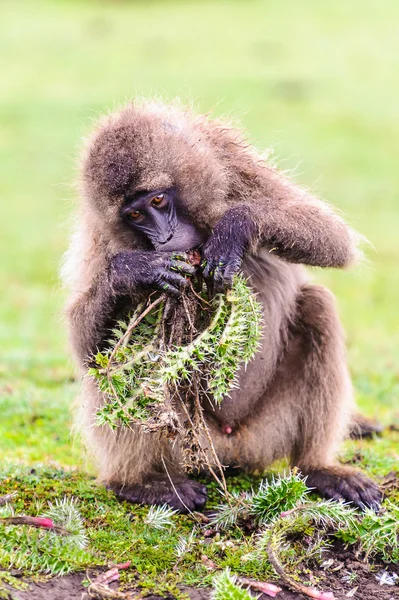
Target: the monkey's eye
pixel 135 214
pixel 158 200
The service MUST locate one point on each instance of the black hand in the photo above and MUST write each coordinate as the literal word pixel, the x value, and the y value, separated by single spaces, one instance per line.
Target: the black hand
pixel 218 270
pixel 160 270
pixel 223 253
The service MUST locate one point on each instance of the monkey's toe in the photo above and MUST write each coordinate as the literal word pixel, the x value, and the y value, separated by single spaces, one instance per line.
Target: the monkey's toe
pixel 346 485
pixel 191 495
pixel 184 495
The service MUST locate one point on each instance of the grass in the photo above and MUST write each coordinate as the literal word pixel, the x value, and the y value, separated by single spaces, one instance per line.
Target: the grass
pixel 315 80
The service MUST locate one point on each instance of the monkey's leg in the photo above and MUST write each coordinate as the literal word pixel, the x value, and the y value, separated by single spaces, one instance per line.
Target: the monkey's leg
pixel 139 467
pixel 324 396
pixel 182 494
pixel 363 427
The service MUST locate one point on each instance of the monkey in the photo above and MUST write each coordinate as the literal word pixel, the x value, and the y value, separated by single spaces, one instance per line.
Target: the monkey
pixel 362 427
pixel 157 180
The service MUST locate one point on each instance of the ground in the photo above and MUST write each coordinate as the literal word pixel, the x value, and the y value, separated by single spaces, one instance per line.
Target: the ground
pixel 316 81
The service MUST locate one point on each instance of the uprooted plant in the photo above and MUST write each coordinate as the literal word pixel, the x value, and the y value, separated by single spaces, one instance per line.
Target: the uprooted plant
pixel 169 355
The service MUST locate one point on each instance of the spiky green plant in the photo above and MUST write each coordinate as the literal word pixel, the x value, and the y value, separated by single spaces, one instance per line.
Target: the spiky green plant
pixel 64 512
pixel 375 534
pixel 185 544
pixel 160 517
pixel 329 514
pixel 138 373
pixel 44 551
pixel 233 513
pixel 281 493
pixel 225 587
pixel 278 495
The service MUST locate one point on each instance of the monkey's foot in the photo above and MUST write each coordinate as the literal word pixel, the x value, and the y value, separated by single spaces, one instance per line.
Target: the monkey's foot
pixel 185 494
pixel 347 485
pixel 363 427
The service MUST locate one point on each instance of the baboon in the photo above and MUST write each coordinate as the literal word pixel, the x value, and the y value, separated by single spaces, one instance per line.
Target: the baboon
pixel 156 181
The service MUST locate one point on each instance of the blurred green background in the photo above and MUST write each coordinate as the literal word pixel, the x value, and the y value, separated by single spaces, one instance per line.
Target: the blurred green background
pixel 317 81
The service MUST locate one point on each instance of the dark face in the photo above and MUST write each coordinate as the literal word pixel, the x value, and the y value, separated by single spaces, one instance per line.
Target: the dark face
pixel 157 216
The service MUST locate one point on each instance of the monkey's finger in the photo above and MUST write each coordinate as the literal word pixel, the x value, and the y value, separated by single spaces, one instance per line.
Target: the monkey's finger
pixel 224 273
pixel 219 281
pixel 366 493
pixel 232 266
pixel 209 269
pixel 182 267
pixel 168 288
pixel 172 280
pixel 371 497
pixel 210 287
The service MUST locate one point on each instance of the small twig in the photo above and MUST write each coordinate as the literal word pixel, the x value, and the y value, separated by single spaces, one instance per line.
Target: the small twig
pixel 286 513
pixel 132 325
pixel 202 518
pixel 198 406
pixel 108 577
pixel 112 574
pixel 126 337
pixel 7 498
pixel 40 522
pixel 174 488
pixel 101 591
pixel 190 322
pixel 260 586
pixel 291 583
pixel 200 298
pixel 99 587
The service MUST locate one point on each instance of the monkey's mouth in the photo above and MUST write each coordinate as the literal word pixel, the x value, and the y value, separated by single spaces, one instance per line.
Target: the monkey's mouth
pixel 181 239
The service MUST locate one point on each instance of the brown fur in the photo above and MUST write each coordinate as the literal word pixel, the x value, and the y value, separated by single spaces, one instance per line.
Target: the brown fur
pixel 295 397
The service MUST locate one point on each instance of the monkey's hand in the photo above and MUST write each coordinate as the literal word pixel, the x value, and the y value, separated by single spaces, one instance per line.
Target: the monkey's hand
pixel 223 252
pixel 134 271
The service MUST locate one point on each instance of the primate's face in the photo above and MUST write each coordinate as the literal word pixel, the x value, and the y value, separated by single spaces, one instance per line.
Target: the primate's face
pixel 156 215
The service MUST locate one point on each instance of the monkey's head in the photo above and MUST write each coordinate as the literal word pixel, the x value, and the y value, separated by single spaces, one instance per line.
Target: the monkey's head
pixel 153 177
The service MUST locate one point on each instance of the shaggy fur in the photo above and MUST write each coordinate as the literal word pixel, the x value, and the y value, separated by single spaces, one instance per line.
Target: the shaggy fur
pixel 295 397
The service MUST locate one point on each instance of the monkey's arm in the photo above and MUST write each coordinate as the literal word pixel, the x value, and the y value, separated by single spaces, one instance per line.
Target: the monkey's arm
pixel 91 315
pixel 298 228
pixel 128 278
pixel 302 229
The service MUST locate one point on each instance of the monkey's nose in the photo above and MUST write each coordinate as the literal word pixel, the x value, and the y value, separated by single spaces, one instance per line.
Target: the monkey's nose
pixel 166 239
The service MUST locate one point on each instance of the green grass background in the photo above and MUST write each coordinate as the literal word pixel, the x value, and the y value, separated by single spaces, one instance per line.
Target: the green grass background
pixel 317 81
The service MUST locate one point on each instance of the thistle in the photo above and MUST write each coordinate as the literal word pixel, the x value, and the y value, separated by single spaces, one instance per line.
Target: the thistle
pixel 169 353
pixel 138 370
pixel 265 505
pixel 160 517
pixel 43 550
pixel 279 495
pixel 225 587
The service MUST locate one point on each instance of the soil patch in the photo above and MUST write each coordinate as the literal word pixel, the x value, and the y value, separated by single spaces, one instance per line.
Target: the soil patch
pixel 342 574
pixel 70 588
pixel 347 577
